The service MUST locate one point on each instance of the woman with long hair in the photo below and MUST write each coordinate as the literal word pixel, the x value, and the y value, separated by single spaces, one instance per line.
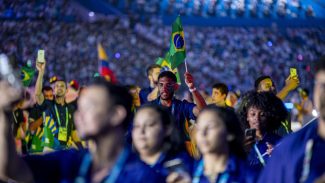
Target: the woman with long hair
pixel 220 140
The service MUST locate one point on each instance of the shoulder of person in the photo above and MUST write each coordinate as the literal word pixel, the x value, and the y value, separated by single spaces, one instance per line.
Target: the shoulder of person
pixel 137 171
pixel 297 140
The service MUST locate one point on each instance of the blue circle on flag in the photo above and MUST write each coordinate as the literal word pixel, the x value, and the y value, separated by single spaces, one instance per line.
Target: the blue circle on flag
pixel 178 41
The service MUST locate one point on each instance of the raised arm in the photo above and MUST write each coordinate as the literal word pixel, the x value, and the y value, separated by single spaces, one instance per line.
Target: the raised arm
pixel 39 83
pixel 291 84
pixel 197 97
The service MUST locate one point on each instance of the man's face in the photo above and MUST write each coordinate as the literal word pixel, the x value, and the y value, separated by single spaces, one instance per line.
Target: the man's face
pixel 319 90
pixel 92 115
pixel 48 94
pixel 217 96
pixel 60 88
pixel 266 85
pixel 166 88
pixel 154 75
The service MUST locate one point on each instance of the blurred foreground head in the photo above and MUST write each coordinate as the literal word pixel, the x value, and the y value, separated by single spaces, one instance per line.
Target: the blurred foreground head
pixel 102 108
pixel 319 87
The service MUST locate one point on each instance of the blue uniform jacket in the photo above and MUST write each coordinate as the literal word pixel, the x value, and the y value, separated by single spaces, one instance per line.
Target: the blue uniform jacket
pixel 237 171
pixel 253 160
pixel 181 110
pixel 286 163
pixel 63 166
pixel 187 162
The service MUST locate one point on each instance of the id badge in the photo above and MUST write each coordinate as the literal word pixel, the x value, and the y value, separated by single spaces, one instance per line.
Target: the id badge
pixel 63 134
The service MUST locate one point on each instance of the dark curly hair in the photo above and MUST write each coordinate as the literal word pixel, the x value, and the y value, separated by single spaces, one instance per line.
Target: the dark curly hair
pixel 229 118
pixel 273 108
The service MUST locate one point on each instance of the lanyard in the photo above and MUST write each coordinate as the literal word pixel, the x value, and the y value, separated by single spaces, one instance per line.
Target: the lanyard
pixel 259 155
pixel 58 116
pixel 116 170
pixel 13 113
pixel 307 158
pixel 284 124
pixel 199 171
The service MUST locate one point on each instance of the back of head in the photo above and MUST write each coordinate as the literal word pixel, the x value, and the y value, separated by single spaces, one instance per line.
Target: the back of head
pixel 118 96
pixel 47 88
pixel 169 75
pixel 259 80
pixel 150 69
pixel 223 88
pixel 229 118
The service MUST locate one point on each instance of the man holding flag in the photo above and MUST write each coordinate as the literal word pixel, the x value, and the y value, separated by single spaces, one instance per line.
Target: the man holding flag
pixel 182 111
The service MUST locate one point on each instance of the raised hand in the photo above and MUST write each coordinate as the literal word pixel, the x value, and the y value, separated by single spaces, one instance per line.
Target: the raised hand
pixel 189 80
pixel 40 66
pixel 292 83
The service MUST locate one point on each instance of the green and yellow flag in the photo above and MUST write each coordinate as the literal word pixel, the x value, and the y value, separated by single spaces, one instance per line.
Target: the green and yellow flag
pixel 165 64
pixel 177 49
pixel 27 74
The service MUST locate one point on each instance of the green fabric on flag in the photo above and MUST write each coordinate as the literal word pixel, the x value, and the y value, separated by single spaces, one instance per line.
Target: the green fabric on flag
pixel 177 44
pixel 165 64
pixel 27 75
pixel 36 145
pixel 48 138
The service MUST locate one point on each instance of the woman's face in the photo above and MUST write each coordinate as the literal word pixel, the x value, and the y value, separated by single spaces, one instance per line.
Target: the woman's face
pixel 211 135
pixel 256 118
pixel 148 132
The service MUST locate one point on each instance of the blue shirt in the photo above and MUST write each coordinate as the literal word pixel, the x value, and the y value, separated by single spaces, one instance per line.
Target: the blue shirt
pixel 63 166
pixel 187 162
pixel 253 159
pixel 144 92
pixel 181 111
pixel 286 163
pixel 237 171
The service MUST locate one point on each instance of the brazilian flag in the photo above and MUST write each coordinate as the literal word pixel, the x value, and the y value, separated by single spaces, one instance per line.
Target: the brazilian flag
pixel 49 131
pixel 27 74
pixel 165 64
pixel 177 44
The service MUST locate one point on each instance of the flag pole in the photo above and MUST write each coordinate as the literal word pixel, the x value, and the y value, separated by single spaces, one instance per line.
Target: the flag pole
pixel 185 66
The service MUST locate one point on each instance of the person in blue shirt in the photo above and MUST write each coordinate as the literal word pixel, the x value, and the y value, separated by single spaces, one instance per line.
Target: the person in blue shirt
pixel 103 115
pixel 150 93
pixel 262 111
pixel 220 140
pixel 156 139
pixel 300 156
pixel 182 111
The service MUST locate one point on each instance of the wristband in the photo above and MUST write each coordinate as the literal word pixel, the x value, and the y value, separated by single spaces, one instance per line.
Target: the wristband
pixel 192 90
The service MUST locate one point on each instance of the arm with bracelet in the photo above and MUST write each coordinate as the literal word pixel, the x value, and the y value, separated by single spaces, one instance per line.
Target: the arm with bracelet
pixel 40 65
pixel 197 97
